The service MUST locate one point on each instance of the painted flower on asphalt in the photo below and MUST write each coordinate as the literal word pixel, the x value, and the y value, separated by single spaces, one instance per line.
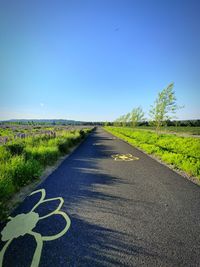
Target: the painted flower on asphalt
pixel 124 157
pixel 25 223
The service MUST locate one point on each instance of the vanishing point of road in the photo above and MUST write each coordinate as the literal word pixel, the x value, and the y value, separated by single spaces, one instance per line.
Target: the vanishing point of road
pixel 97 211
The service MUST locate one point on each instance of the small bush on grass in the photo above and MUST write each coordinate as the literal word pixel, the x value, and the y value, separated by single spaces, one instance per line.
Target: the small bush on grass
pixel 82 134
pixel 64 145
pixel 23 172
pixel 5 155
pixel 75 140
pixel 7 187
pixel 15 148
pixel 44 155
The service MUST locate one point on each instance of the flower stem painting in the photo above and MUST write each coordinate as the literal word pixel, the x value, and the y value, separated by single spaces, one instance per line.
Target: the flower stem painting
pixel 25 223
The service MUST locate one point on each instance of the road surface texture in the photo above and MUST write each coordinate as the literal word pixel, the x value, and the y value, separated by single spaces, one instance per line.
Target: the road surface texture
pixel 123 213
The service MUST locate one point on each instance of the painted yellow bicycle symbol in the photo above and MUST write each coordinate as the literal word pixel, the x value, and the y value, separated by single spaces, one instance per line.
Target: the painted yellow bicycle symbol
pixel 23 224
pixel 124 157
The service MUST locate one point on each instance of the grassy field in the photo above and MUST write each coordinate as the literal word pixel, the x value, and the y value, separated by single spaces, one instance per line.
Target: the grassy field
pixel 172 129
pixel 181 152
pixel 12 132
pixel 23 160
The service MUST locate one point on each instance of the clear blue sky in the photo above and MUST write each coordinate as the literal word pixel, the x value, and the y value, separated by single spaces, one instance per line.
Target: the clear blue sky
pixel 97 59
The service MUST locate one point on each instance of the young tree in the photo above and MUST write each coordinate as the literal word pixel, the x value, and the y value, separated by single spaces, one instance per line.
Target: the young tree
pixel 118 121
pixel 127 118
pixel 123 120
pixel 137 115
pixel 164 107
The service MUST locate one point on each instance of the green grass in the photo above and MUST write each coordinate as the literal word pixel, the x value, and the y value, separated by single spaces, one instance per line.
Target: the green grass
pixel 179 129
pixel 181 152
pixel 22 161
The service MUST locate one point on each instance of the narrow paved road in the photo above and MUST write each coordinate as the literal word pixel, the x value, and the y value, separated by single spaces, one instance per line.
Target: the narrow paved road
pixel 123 213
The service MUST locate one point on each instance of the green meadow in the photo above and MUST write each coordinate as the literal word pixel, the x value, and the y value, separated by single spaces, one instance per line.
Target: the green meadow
pixel 189 130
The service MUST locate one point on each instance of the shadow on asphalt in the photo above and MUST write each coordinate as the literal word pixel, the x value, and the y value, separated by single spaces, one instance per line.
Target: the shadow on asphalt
pixel 88 243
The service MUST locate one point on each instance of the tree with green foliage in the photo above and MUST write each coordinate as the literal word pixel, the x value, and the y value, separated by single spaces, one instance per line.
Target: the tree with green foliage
pixel 127 118
pixel 123 120
pixel 117 122
pixel 164 107
pixel 137 115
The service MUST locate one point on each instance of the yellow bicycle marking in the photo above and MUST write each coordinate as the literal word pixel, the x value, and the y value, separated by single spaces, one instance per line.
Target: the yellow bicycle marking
pixel 23 224
pixel 124 157
pixel 97 144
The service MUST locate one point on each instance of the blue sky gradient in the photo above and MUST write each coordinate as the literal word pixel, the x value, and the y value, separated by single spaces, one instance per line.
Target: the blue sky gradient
pixel 97 59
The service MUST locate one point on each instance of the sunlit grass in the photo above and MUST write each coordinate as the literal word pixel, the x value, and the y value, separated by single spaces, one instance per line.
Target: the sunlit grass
pixel 179 129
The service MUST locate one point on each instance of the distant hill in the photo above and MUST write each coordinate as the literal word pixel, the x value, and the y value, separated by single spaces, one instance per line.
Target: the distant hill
pixel 48 122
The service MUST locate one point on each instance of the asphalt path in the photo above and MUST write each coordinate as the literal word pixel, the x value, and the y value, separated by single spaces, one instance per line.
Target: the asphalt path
pixel 121 213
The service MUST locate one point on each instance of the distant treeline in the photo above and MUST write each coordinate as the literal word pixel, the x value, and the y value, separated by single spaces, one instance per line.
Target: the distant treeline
pixel 48 122
pixel 193 123
pixel 183 123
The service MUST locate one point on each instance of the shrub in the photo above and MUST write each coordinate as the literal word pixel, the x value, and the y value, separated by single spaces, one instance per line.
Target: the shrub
pixel 6 183
pixel 22 172
pixel 15 148
pixel 63 146
pixel 4 154
pixel 82 134
pixel 44 155
pixel 75 139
